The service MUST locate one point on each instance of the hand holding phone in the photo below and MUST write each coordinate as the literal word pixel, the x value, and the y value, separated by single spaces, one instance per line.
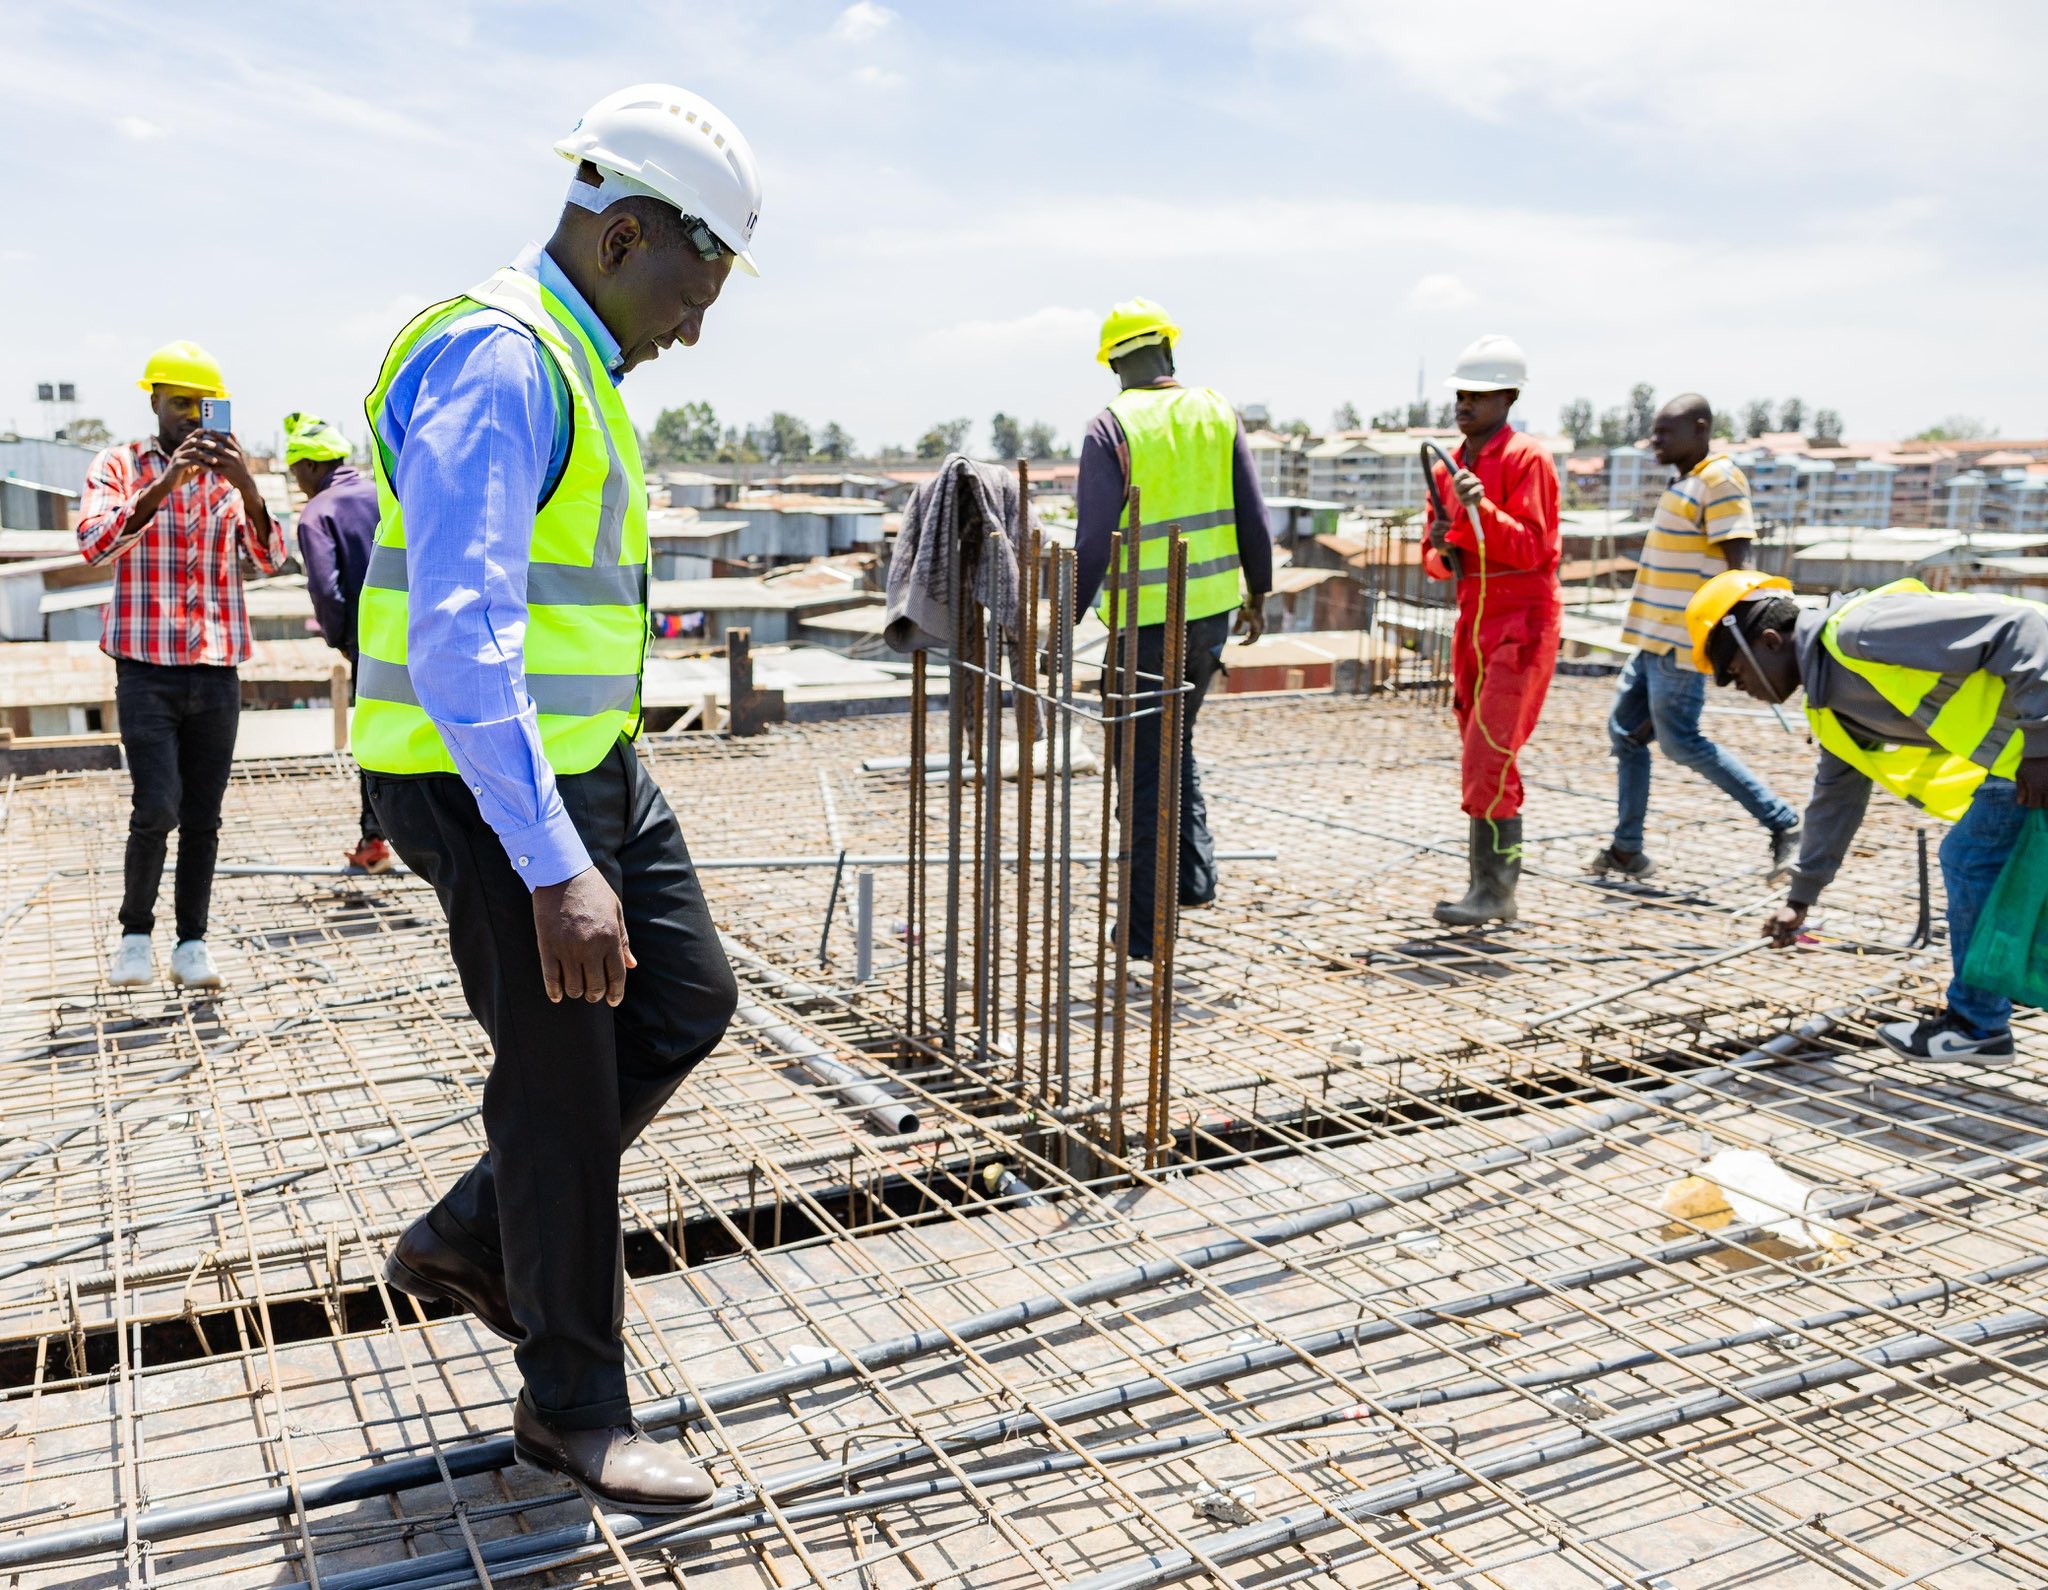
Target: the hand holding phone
pixel 217 414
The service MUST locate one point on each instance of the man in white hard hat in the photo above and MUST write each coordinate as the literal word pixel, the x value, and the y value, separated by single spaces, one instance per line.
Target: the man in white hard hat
pixel 1509 610
pixel 502 626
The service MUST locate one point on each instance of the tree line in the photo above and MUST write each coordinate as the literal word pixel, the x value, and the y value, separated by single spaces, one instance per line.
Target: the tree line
pixel 1630 422
pixel 692 435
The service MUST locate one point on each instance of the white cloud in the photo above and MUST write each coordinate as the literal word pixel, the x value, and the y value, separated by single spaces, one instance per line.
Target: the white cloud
pixel 879 77
pixel 137 128
pixel 1051 328
pixel 861 21
pixel 1782 82
pixel 1440 291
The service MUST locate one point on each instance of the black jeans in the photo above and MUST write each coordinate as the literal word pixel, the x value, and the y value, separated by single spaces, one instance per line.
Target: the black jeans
pixel 572 1084
pixel 178 730
pixel 1205 638
pixel 371 827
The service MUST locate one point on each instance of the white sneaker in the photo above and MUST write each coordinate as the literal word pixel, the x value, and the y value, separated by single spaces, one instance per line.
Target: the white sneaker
pixel 192 965
pixel 131 965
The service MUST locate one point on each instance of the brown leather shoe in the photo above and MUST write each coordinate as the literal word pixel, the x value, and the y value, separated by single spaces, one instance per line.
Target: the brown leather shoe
pixel 619 1466
pixel 424 1266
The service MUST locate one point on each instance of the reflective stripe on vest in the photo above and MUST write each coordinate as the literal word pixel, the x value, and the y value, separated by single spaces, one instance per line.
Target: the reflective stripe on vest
pixel 1972 738
pixel 1182 441
pixel 586 587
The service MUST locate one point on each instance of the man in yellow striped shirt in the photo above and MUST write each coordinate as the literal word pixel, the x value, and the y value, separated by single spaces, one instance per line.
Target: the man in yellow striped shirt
pixel 1703 526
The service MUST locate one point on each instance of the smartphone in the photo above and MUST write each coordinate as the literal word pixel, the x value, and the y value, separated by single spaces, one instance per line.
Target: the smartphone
pixel 216 414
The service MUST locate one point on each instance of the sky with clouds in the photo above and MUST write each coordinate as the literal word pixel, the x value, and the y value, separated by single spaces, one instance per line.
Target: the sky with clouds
pixel 1840 200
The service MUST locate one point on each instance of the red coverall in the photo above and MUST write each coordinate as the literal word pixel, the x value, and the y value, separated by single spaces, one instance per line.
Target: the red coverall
pixel 1513 607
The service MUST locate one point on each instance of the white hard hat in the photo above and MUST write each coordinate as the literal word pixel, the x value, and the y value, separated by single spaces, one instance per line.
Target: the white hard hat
pixel 678 147
pixel 1492 364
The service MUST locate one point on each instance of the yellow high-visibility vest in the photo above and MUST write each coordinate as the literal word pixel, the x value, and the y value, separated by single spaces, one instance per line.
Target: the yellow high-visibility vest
pixel 1972 739
pixel 586 583
pixel 1182 440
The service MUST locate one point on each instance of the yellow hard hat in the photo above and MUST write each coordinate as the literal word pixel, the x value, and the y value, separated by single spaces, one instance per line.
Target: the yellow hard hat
pixel 1716 599
pixel 183 364
pixel 310 439
pixel 1136 321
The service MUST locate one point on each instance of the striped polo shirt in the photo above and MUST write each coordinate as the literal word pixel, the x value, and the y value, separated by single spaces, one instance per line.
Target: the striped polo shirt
pixel 1695 515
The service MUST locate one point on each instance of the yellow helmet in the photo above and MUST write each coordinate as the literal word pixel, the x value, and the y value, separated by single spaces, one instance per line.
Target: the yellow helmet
pixel 1136 323
pixel 310 439
pixel 1716 599
pixel 183 364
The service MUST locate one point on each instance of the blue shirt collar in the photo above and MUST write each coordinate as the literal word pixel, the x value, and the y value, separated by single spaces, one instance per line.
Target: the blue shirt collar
pixel 533 261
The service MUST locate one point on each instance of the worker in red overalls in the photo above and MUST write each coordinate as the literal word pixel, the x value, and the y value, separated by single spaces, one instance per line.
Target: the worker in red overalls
pixel 1508 609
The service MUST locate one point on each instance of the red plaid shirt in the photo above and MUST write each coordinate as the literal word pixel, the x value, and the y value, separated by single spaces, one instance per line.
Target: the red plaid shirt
pixel 177 580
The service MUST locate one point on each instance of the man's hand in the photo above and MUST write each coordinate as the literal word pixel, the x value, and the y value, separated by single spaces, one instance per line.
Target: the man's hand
pixel 1782 926
pixel 1470 492
pixel 222 454
pixel 2031 777
pixel 1251 620
pixel 194 453
pixel 581 930
pixel 1439 534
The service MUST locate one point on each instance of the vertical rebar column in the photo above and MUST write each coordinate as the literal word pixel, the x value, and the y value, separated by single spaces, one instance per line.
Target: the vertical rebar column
pixel 1025 685
pixel 864 926
pixel 959 693
pixel 1166 849
pixel 1065 576
pixel 1126 718
pixel 988 861
pixel 915 1011
pixel 1106 695
pixel 1059 783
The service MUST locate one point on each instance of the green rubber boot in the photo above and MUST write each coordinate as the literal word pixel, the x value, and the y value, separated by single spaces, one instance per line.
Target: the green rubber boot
pixel 1496 856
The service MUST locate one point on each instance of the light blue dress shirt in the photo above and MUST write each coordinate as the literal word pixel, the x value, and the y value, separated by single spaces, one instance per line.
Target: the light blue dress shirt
pixel 478 424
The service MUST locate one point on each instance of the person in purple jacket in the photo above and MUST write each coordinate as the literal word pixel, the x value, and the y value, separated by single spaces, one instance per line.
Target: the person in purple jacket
pixel 336 530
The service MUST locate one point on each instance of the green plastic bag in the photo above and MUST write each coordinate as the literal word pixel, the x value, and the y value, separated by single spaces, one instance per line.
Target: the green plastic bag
pixel 2009 946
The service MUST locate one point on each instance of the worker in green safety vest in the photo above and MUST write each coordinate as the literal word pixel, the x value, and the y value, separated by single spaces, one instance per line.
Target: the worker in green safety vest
pixel 500 640
pixel 1941 697
pixel 1183 451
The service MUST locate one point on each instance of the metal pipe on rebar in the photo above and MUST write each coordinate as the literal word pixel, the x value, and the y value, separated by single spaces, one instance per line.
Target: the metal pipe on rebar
pixel 1542 1452
pixel 722 1514
pixel 1676 972
pixel 387 1478
pixel 883 1110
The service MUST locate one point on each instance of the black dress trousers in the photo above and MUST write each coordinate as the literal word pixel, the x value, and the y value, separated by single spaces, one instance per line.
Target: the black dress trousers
pixel 571 1084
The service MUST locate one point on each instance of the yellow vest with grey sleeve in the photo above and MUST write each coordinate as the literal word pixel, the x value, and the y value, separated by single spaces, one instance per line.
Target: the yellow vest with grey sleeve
pixel 586 581
pixel 1182 440
pixel 1959 713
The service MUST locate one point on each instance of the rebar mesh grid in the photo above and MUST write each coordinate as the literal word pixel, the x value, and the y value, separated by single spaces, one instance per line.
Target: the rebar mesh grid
pixel 1462 1374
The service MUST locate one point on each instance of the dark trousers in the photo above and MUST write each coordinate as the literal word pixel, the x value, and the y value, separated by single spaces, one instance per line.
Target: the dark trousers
pixel 371 827
pixel 571 1084
pixel 178 732
pixel 1205 638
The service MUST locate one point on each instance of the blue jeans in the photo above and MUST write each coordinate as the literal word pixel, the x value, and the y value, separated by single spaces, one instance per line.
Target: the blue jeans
pixel 1972 856
pixel 1659 698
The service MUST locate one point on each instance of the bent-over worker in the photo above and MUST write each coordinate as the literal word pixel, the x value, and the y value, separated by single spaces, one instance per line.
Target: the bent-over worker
pixel 1940 697
pixel 1509 608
